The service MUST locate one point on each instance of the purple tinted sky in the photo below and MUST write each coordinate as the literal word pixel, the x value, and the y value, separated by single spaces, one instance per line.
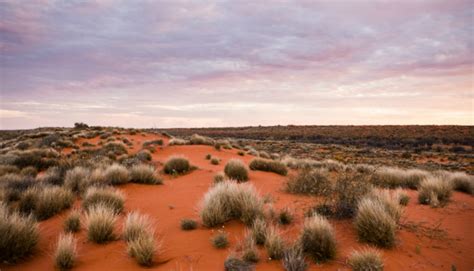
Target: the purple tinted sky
pixel 232 63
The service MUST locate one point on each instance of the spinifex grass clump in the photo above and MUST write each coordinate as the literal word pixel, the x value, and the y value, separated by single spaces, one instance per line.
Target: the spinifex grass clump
pixel 366 260
pixel 18 235
pixel 388 177
pixel 65 254
pixel 434 191
pixel 72 223
pixel 235 169
pixel 110 197
pixel 311 182
pixel 317 238
pixel 139 235
pixel 177 165
pixel 188 224
pixel 268 165
pixel 144 174
pixel 44 202
pixel 220 240
pixel 116 174
pixel 229 200
pixel 100 220
pixel 274 244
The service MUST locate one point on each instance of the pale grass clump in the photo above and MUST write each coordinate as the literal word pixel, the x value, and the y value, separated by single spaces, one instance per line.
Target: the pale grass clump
pixel 460 181
pixel 18 235
pixel 259 230
pixel 366 260
pixel 229 200
pixel 434 191
pixel 268 165
pixel 220 240
pixel 72 223
pixel 390 177
pixel 139 235
pixel 100 221
pixel 249 249
pixel 390 201
pixel 177 165
pixel 46 202
pixel 144 174
pixel 116 174
pixel 274 244
pixel 235 169
pixel 201 140
pixel 374 225
pixel 318 239
pixel 66 252
pixel 76 179
pixel 107 196
pixel 293 259
pixel 135 224
pixel 311 182
pixel 178 141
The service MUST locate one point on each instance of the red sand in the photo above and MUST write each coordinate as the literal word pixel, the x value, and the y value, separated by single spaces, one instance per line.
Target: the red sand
pixel 180 196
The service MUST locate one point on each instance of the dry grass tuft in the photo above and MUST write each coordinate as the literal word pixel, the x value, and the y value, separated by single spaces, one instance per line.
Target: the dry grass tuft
pixel 139 235
pixel 366 260
pixel 274 244
pixel 268 165
pixel 116 174
pixel 177 165
pixel 235 169
pixel 110 197
pixel 312 182
pixel 434 191
pixel 317 238
pixel 76 179
pixel 220 240
pixel 389 177
pixel 66 253
pixel 144 174
pixel 293 259
pixel 99 221
pixel 188 224
pixel 72 223
pixel 135 225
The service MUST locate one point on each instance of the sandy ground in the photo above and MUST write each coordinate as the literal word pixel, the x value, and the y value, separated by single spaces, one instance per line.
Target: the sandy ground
pixel 428 239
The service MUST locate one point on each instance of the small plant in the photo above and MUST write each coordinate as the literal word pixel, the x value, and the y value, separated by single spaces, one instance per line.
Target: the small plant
pixel 403 198
pixel 233 263
pixel 142 249
pixel 177 165
pixel 249 250
pixel 311 182
pixel 65 254
pixel 259 231
pixel 215 161
pixel 293 259
pixel 236 170
pixel 268 165
pixel 461 182
pixel 285 217
pixel 219 177
pixel 208 156
pixel 388 177
pixel 135 225
pixel 434 191
pixel 241 153
pixel 366 260
pixel 72 223
pixel 144 155
pixel 116 174
pixel 317 238
pixel 188 224
pixel 112 198
pixel 18 235
pixel 100 220
pixel 220 240
pixel 46 202
pixel 144 174
pixel 76 178
pixel 374 225
pixel 274 244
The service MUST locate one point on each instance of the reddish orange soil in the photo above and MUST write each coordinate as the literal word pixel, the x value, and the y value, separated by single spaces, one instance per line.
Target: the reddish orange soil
pixel 429 239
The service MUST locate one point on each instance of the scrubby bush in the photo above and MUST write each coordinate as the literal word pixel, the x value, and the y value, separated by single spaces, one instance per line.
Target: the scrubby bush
pixel 350 188
pixel 285 217
pixel 116 174
pixel 215 160
pixel 144 155
pixel 72 223
pixel 109 197
pixel 259 231
pixel 317 238
pixel 150 143
pixel 220 240
pixel 374 224
pixel 233 263
pixel 201 140
pixel 403 197
pixel 293 259
pixel 434 191
pixel 18 235
pixel 366 260
pixel 208 156
pixel 219 177
pixel 268 165
pixel 388 177
pixel 145 174
pixel 100 220
pixel 188 224
pixel 235 169
pixel 229 200
pixel 76 179
pixel 177 165
pixel 274 244
pixel 312 182
pixel 460 181
pixel 52 175
pixel 66 253
pixel 114 148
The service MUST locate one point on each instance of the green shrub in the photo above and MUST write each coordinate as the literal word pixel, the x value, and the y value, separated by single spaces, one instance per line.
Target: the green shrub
pixel 235 169
pixel 434 191
pixel 177 165
pixel 317 238
pixel 116 174
pixel 374 224
pixel 268 165
pixel 144 174
pixel 72 223
pixel 220 240
pixel 18 235
pixel 311 182
pixel 100 220
pixel 188 224
pixel 274 244
pixel 66 253
pixel 366 260
pixel 229 200
pixel 109 197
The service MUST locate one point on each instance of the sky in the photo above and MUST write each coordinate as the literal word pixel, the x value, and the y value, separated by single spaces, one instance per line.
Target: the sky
pixel 176 63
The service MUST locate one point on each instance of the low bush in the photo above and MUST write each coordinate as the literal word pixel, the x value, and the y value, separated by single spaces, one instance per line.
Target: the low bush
pixel 350 188
pixel 150 143
pixel 403 197
pixel 201 140
pixel 268 165
pixel 144 174
pixel 293 259
pixel 116 174
pixel 215 160
pixel 144 155
pixel 66 253
pixel 112 198
pixel 177 165
pixel 311 182
pixel 434 191
pixel 99 221
pixel 366 260
pixel 188 224
pixel 274 244
pixel 18 235
pixel 52 176
pixel 229 200
pixel 374 224
pixel 219 177
pixel 72 223
pixel 220 240
pixel 235 169
pixel 317 238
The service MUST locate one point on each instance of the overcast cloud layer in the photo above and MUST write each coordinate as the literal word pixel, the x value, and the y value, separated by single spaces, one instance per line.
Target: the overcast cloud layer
pixel 233 63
